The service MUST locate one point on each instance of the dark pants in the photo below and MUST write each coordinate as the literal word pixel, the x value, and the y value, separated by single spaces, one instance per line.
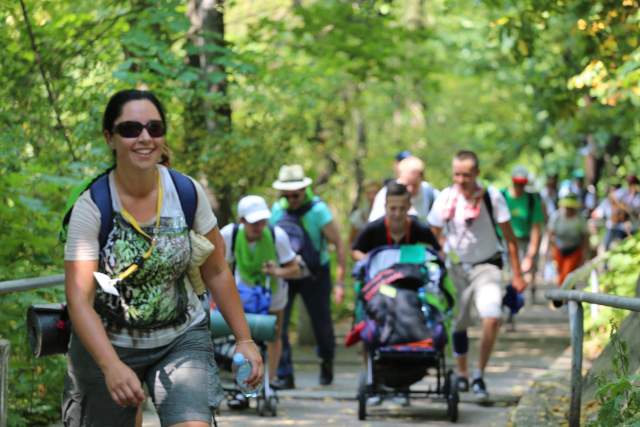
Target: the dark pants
pixel 316 295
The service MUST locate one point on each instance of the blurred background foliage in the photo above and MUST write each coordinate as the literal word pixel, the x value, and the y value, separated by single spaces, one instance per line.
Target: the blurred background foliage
pixel 339 86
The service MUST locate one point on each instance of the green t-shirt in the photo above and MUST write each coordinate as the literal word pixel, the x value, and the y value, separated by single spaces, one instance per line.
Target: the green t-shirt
pixel 522 216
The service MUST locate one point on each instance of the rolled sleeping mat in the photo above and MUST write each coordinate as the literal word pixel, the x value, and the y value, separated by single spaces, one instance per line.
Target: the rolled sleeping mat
pixel 262 326
pixel 48 329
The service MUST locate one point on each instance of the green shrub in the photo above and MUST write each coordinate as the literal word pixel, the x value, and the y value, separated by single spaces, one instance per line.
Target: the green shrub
pixel 620 278
pixel 618 393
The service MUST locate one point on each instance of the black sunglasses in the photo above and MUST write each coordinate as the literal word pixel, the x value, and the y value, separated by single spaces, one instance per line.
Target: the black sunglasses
pixel 155 128
pixel 293 196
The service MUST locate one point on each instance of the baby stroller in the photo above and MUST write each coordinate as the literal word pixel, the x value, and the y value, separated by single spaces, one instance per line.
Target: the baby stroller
pixel 262 327
pixel 403 312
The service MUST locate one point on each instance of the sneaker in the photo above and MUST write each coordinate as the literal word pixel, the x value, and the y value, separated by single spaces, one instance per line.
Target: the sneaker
pixel 479 388
pixel 463 384
pixel 375 400
pixel 283 383
pixel 326 372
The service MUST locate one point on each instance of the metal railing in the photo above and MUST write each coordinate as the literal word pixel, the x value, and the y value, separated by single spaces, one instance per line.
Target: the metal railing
pixel 576 324
pixel 30 284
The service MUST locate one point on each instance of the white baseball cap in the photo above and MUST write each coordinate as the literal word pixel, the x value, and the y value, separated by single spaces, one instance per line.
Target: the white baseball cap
pixel 253 209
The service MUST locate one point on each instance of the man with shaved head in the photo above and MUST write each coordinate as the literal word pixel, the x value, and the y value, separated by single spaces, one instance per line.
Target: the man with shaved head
pixel 411 175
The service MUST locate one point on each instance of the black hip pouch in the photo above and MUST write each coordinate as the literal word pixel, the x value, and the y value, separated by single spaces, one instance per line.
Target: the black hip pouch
pixel 568 251
pixel 495 259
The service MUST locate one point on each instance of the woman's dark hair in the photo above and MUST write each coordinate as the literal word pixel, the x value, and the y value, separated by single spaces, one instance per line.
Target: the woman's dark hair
pixel 117 101
pixel 394 188
pixel 114 109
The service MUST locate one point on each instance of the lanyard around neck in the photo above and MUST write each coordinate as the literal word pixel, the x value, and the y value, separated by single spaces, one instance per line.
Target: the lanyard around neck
pixel 407 231
pixel 134 223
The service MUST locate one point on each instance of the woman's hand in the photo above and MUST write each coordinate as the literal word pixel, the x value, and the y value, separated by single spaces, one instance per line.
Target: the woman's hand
pixel 124 385
pixel 251 352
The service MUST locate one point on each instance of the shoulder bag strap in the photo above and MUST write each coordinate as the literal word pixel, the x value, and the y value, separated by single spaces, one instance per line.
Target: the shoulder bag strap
pixel 187 194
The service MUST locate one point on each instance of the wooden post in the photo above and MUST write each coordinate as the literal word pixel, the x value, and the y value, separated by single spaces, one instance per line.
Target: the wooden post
pixel 4 380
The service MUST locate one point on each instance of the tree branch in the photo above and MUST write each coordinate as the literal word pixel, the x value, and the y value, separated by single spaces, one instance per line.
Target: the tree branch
pixel 47 84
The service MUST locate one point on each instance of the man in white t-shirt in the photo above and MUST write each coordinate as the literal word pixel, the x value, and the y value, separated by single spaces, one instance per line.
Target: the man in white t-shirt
pixel 465 224
pixel 261 254
pixel 410 174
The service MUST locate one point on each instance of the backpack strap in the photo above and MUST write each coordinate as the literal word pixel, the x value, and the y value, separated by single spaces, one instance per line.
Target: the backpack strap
pixel 531 201
pixel 187 194
pixel 234 234
pixel 486 197
pixel 101 196
pixel 429 198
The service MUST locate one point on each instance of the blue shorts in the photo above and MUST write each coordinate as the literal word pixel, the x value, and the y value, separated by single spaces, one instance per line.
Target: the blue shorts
pixel 182 379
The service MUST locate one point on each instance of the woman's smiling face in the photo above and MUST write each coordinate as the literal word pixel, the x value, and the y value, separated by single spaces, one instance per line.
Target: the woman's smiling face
pixel 142 151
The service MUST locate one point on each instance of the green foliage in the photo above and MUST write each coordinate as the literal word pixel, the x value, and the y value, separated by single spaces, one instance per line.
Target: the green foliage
pixel 621 279
pixel 619 396
pixel 521 81
pixel 580 64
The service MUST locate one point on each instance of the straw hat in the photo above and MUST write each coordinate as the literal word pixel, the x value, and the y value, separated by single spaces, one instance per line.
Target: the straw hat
pixel 291 178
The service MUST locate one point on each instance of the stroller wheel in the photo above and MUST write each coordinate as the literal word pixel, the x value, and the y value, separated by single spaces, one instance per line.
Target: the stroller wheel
pixel 362 397
pixel 261 406
pixel 238 402
pixel 452 396
pixel 272 405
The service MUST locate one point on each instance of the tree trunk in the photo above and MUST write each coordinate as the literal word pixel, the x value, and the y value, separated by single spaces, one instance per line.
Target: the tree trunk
pixel 207 28
pixel 319 139
pixel 361 153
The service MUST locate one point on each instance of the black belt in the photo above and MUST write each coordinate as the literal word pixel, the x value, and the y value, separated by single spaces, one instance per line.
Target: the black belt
pixel 495 259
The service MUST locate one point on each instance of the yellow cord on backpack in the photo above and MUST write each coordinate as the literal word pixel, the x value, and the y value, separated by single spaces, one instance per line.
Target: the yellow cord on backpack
pixel 134 223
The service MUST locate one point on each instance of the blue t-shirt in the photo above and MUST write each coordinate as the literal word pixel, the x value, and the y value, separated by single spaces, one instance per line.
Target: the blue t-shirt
pixel 313 221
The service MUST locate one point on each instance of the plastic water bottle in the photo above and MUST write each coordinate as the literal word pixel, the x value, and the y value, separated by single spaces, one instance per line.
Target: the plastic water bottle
pixel 426 310
pixel 243 371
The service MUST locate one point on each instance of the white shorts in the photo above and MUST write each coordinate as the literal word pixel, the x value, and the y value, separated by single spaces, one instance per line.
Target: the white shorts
pixel 280 297
pixel 480 285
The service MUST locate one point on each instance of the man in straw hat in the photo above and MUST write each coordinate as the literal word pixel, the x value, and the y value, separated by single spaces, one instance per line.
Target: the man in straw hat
pixel 309 223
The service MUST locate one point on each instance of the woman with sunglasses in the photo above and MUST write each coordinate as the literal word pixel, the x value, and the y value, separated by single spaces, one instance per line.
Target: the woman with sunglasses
pixel 140 320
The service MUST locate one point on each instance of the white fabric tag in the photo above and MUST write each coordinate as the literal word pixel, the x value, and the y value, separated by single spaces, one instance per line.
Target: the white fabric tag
pixel 106 283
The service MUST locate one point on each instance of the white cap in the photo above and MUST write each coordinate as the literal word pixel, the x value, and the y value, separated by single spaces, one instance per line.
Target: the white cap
pixel 253 209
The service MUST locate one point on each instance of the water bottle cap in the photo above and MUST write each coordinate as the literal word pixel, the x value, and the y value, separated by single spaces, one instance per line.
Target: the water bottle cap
pixel 238 358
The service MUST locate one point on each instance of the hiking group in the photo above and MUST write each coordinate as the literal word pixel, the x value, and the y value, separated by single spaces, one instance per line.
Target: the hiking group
pixel 144 252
